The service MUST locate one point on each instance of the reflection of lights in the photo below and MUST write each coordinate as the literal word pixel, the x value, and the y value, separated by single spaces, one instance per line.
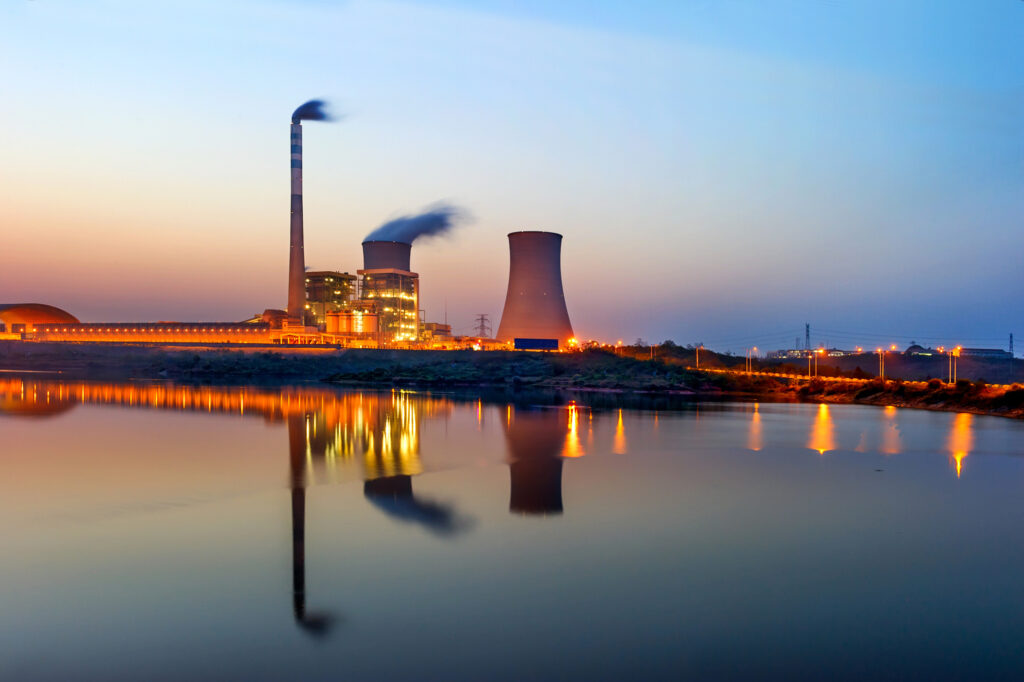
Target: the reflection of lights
pixel 822 437
pixel 890 432
pixel 619 444
pixel 573 447
pixel 754 438
pixel 961 439
pixel 335 426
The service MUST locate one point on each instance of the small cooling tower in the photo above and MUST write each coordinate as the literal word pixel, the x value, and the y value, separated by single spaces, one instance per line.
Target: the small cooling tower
pixel 535 303
pixel 381 255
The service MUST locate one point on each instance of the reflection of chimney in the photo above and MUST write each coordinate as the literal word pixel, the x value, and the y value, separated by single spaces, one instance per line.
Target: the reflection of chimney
pixel 535 439
pixel 535 303
pixel 296 255
pixel 316 624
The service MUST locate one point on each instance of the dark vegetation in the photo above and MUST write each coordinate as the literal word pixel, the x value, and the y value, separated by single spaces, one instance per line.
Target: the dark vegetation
pixel 612 371
pixel 964 395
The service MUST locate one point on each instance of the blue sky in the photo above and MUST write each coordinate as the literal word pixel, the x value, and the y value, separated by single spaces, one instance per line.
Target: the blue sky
pixel 722 171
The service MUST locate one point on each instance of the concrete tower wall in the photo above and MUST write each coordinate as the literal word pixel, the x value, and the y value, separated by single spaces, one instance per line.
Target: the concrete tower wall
pixel 296 254
pixel 381 255
pixel 535 303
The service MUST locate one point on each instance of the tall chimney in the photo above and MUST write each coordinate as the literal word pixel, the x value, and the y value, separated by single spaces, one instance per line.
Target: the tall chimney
pixel 296 254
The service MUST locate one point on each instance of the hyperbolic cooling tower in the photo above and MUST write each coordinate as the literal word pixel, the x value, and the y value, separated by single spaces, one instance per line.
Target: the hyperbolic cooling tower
pixel 383 255
pixel 535 303
pixel 296 255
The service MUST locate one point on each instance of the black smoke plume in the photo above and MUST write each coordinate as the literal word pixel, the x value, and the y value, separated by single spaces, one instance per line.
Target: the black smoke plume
pixel 434 222
pixel 313 110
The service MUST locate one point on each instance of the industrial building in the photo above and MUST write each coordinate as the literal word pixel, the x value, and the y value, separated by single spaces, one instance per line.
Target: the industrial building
pixel 328 291
pixel 21 318
pixel 387 281
pixel 377 307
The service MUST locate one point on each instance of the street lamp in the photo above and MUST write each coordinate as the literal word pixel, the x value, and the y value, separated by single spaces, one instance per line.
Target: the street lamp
pixel 817 352
pixel 955 354
pixel 881 363
pixel 750 359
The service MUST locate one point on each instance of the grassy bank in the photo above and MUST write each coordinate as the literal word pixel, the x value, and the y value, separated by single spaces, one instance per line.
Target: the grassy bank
pixel 517 371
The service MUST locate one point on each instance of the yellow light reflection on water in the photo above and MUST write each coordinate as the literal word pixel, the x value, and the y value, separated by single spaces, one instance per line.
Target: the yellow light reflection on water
pixel 619 443
pixel 891 444
pixel 961 439
pixel 822 432
pixel 754 436
pixel 573 446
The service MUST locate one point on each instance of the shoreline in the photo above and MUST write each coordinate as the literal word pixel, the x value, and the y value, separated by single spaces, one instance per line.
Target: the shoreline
pixel 510 373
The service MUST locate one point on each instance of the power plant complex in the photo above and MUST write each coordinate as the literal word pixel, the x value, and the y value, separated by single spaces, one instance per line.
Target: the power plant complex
pixel 378 307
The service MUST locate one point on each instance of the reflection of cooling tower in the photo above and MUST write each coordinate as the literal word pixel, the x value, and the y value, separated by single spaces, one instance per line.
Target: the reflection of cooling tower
pixel 383 255
pixel 535 303
pixel 535 440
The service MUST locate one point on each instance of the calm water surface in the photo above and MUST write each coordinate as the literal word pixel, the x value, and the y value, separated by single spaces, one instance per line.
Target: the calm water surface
pixel 167 532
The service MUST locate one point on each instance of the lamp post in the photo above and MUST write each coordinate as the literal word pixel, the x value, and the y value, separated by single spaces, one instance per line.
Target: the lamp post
pixel 956 354
pixel 881 363
pixel 817 352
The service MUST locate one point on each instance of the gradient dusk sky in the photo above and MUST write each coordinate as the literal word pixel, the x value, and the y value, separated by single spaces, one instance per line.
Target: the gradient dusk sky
pixel 722 170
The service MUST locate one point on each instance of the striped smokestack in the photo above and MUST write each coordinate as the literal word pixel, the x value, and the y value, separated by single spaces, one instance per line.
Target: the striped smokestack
pixel 313 110
pixel 296 253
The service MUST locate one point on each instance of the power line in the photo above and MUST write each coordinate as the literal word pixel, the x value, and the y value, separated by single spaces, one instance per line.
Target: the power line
pixel 483 326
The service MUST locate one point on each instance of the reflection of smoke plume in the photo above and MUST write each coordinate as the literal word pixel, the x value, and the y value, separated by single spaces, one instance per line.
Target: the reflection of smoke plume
pixel 313 110
pixel 393 495
pixel 432 223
